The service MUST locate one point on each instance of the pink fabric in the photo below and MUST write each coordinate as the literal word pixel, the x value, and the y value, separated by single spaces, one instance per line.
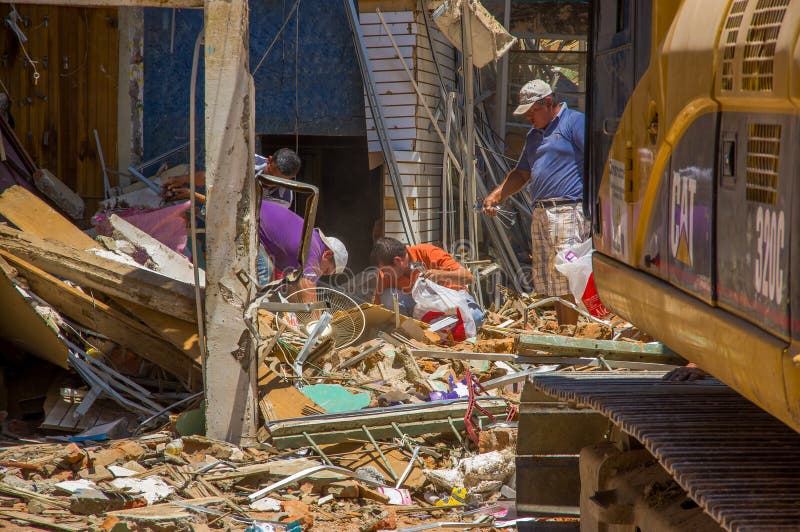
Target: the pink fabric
pixel 167 224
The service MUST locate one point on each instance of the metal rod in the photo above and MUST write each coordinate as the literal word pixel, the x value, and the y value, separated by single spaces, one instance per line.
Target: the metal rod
pixel 380 452
pixel 316 448
pixel 319 327
pixel 280 306
pixel 455 431
pixel 408 469
pixel 309 216
pixel 150 184
pixel 288 481
pixel 106 182
pixel 359 357
pixel 446 178
pixel 159 158
pixel 413 81
pixel 167 409
pixel 469 108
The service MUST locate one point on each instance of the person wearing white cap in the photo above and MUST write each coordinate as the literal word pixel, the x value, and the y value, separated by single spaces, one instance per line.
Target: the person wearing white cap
pixel 280 231
pixel 551 165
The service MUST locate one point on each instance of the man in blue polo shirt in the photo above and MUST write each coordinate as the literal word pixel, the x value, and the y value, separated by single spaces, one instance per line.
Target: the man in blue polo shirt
pixel 551 165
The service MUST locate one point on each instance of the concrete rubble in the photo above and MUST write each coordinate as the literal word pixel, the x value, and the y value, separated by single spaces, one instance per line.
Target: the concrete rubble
pixel 391 476
pixel 102 419
pixel 400 428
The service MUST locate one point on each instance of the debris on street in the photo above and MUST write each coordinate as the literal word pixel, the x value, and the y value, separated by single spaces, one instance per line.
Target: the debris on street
pixel 367 419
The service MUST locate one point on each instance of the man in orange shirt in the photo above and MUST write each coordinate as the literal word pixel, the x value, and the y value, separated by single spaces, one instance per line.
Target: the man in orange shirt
pixel 401 265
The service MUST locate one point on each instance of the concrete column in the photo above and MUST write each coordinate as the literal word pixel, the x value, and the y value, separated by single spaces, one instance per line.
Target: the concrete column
pixel 130 127
pixel 231 219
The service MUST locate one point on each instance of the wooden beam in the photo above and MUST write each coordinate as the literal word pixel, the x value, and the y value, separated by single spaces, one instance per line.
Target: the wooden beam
pixel 369 6
pixel 96 315
pixel 610 349
pixel 231 222
pixel 23 327
pixel 117 279
pixel 32 215
pixel 180 4
pixel 25 210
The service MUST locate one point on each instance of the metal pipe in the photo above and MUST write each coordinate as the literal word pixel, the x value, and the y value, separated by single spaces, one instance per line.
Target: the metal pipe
pixel 288 481
pixel 380 452
pixel 319 327
pixel 359 357
pixel 106 182
pixel 167 409
pixel 408 469
pixel 469 109
pixel 316 448
pixel 446 178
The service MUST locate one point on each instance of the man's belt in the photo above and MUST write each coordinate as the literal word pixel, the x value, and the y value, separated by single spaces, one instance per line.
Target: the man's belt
pixel 545 203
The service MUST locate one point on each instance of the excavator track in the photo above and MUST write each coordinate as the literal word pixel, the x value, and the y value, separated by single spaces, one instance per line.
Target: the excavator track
pixel 740 464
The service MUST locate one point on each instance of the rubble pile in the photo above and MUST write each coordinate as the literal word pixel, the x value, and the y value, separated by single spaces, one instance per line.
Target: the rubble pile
pixel 403 427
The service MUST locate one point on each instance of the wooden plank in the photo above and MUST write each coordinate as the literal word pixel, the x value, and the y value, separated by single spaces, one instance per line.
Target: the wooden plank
pixel 369 6
pixel 41 521
pixel 96 315
pixel 52 159
pixel 32 215
pixel 82 133
pixel 68 95
pixel 112 109
pixel 611 349
pixel 124 281
pixel 281 400
pixel 180 4
pixel 393 17
pixel 181 334
pixel 27 329
pixel 168 262
pixel 381 40
pixel 55 418
pixel 400 28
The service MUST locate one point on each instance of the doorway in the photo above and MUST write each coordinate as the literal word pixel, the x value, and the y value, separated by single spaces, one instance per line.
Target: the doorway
pixel 351 197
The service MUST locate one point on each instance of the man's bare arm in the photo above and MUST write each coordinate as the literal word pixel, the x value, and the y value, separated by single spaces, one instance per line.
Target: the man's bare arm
pixel 512 184
pixel 460 276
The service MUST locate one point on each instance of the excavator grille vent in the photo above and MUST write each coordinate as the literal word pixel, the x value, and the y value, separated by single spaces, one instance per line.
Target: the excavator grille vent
pixel 763 162
pixel 759 49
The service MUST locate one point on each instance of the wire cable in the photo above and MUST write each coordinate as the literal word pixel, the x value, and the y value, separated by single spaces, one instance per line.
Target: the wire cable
pixel 277 35
pixel 201 333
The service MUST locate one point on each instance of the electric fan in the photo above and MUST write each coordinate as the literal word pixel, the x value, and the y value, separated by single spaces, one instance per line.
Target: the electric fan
pixel 348 320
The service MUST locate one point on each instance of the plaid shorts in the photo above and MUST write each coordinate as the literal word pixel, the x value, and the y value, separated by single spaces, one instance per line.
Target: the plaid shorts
pixel 554 229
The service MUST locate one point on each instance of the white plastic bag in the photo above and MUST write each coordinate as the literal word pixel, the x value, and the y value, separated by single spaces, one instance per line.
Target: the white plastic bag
pixel 431 297
pixel 576 265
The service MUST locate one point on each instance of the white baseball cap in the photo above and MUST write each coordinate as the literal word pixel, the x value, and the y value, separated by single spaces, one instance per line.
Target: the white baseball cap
pixel 530 93
pixel 339 251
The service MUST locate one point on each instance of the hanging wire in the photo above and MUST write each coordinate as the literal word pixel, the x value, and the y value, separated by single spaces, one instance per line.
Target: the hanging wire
pixel 296 80
pixel 277 36
pixel 36 74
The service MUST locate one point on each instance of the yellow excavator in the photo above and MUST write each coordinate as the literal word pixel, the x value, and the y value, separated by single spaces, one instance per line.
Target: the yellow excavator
pixel 693 123
pixel 693 184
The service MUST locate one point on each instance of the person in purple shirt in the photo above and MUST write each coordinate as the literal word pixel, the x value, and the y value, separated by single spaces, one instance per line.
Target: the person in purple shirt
pixel 280 231
pixel 551 165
